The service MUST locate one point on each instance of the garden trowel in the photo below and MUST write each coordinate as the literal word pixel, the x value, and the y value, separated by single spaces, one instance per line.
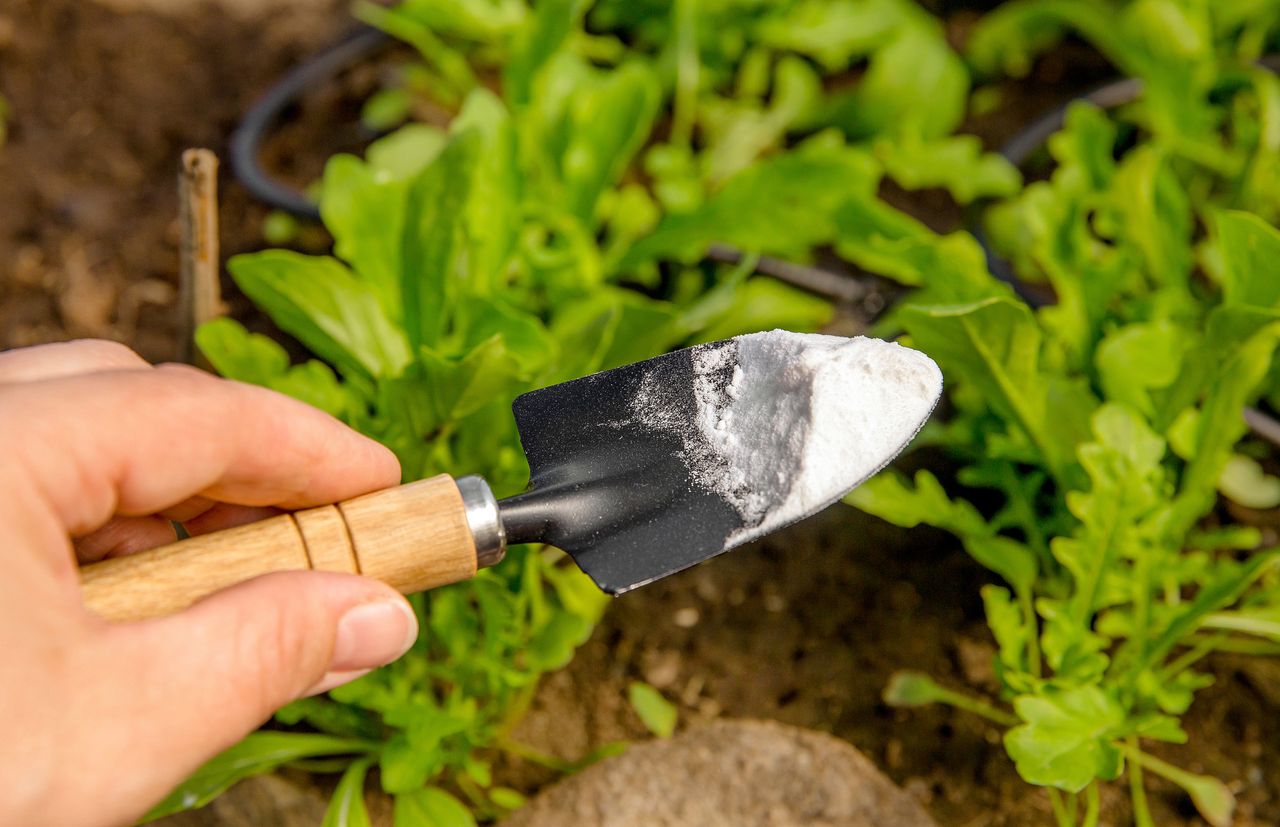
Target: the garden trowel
pixel 635 472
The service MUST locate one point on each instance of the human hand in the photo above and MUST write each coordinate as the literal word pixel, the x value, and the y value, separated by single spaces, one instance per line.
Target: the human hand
pixel 100 721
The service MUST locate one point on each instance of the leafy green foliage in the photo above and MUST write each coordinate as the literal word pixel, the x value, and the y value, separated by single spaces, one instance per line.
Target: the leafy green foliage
pixel 1065 740
pixel 260 752
pixel 657 713
pixel 558 227
pixel 347 808
pixel 1187 54
pixel 434 806
pixel 1108 423
pixel 471 265
pixel 740 74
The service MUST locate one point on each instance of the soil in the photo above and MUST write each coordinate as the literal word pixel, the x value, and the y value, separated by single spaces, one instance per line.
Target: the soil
pixel 803 628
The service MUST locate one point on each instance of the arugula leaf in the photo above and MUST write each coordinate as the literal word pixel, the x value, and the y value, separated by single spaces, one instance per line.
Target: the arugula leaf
pixel 400 155
pixel 766 304
pixel 432 806
pixel 656 712
pixel 889 499
pixel 949 269
pixel 833 33
pixel 496 192
pixel 536 43
pixel 1138 358
pixel 435 216
pixel 365 214
pixel 1013 635
pixel 324 305
pixel 994 345
pixel 234 351
pixel 347 808
pixel 1228 585
pixel 1127 482
pixel 737 131
pixel 386 109
pixel 1233 383
pixel 955 162
pixel 1243 481
pixel 455 73
pixel 608 121
pixel 781 206
pixel 259 752
pixel 1065 738
pixel 1250 252
pixel 914 65
pixel 908 689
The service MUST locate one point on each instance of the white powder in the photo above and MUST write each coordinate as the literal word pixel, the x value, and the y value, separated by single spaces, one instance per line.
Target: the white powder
pixel 787 423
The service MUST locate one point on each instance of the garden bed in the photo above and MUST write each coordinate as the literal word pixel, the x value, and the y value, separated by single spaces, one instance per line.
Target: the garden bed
pixel 804 628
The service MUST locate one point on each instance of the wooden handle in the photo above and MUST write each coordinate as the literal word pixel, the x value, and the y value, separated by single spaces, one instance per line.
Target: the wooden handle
pixel 413 538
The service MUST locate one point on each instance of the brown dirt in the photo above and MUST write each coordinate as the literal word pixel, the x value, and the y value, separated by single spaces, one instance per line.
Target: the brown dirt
pixel 103 103
pixel 804 628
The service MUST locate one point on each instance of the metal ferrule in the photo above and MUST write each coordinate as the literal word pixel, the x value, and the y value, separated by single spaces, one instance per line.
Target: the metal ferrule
pixel 484 521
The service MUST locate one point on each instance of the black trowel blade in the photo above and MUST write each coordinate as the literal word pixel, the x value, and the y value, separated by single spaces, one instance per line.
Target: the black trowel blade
pixel 629 472
pixel 607 488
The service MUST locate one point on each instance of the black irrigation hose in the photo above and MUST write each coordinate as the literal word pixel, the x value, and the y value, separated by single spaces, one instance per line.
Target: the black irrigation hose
pixel 264 114
pixel 1021 147
pixel 262 117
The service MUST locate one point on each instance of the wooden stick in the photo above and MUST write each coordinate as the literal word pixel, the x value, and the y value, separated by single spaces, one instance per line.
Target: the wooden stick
pixel 201 290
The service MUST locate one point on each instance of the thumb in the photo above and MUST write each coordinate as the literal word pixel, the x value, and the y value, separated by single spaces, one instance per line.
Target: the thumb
pixel 209 675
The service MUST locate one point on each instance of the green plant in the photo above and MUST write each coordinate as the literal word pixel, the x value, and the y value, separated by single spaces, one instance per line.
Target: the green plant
pixel 1109 422
pixel 560 228
pixel 657 713
pixel 742 77
pixel 472 264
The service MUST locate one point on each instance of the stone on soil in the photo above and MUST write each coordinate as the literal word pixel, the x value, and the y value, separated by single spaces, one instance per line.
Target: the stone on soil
pixel 729 774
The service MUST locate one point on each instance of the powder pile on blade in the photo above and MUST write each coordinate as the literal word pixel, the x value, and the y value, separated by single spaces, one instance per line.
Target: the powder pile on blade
pixel 787 423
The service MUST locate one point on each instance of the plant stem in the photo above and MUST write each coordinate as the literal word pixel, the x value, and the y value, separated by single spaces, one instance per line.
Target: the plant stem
pixel 977 707
pixel 1211 797
pixel 1189 657
pixel 687 68
pixel 1161 768
pixel 528 753
pixel 1237 622
pixel 1027 602
pixel 1059 809
pixel 479 801
pixel 1024 509
pixel 1243 646
pixel 1137 790
pixel 1093 804
pixel 453 68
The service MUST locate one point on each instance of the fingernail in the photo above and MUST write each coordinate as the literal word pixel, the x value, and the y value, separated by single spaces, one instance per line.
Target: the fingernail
pixel 373 634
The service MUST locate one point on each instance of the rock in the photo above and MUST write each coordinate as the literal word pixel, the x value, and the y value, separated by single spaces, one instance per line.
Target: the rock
pixel 262 799
pixel 730 773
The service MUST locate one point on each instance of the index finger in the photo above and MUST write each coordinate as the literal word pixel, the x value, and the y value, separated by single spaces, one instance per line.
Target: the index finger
pixel 138 442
